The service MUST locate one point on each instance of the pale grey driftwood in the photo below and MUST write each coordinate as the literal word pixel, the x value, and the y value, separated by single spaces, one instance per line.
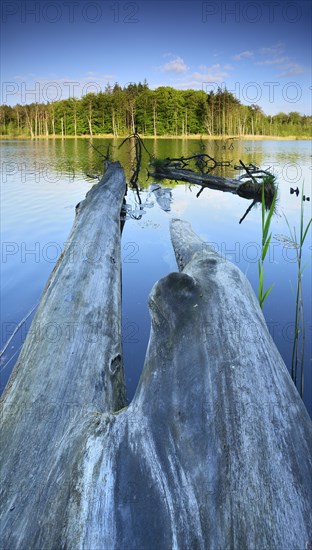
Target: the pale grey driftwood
pixel 69 371
pixel 214 451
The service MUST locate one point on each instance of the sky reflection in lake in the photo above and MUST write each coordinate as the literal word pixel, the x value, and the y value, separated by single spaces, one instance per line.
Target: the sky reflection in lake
pixel 43 181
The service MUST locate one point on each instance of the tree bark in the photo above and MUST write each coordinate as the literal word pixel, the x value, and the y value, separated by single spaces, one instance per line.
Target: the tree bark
pixel 245 189
pixel 215 449
pixel 68 375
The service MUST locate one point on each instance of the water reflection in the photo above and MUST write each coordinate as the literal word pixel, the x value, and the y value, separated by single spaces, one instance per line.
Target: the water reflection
pixel 43 180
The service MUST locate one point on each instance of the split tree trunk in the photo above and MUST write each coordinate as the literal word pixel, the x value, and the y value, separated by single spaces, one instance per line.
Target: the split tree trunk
pixel 213 452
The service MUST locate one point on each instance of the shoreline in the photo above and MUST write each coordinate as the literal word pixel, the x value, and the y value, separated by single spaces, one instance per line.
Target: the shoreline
pixel 247 137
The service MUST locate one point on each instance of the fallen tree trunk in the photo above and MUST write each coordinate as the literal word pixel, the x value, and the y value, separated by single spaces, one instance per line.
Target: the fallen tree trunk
pixel 69 371
pixel 246 189
pixel 213 452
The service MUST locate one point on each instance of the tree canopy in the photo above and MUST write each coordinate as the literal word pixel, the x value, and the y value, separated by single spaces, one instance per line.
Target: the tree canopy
pixel 163 111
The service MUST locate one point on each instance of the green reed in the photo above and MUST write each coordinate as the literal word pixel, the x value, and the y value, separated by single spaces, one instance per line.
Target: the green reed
pixel 297 359
pixel 267 181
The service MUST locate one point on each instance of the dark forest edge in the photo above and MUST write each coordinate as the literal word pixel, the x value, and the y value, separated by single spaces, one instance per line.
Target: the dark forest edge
pixel 163 112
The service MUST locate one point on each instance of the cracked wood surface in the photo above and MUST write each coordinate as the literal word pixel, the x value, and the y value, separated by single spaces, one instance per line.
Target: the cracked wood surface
pixel 214 450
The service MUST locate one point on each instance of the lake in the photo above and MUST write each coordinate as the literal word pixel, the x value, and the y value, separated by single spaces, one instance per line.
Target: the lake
pixel 42 181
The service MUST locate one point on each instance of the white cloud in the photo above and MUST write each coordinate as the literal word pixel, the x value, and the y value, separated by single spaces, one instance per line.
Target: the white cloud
pixel 276 49
pixel 214 67
pixel 290 69
pixel 272 55
pixel 274 61
pixel 286 66
pixel 176 65
pixel 89 76
pixel 214 73
pixel 31 88
pixel 243 55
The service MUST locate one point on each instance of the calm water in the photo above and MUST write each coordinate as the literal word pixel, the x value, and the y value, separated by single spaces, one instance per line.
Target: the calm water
pixel 43 181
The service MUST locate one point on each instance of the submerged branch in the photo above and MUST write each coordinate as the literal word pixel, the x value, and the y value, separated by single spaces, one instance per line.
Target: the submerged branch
pixel 139 145
pixel 251 188
pixel 247 211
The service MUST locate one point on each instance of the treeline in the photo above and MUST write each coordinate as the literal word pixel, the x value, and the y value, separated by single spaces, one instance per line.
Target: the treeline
pixel 163 111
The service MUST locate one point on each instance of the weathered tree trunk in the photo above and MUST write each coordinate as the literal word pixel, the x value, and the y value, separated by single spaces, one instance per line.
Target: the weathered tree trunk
pixel 213 452
pixel 69 373
pixel 246 189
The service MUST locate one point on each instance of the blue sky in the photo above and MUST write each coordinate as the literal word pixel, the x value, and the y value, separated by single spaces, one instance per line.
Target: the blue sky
pixel 261 51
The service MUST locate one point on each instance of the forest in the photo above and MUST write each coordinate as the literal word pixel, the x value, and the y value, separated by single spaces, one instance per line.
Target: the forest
pixel 164 111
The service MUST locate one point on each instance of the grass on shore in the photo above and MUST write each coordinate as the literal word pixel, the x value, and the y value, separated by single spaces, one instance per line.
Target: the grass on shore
pixel 247 137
